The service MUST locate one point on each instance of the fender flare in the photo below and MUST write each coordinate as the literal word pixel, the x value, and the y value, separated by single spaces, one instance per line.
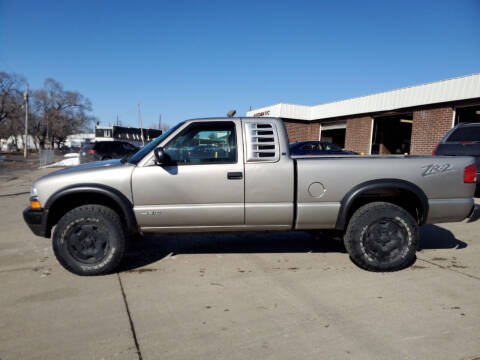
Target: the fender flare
pixel 121 200
pixel 390 184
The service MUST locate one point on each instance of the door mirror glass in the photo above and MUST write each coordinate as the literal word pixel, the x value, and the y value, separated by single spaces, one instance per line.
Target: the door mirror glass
pixel 160 156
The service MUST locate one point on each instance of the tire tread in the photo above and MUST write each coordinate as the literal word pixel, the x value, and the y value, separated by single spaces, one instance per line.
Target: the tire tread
pixel 364 211
pixel 93 209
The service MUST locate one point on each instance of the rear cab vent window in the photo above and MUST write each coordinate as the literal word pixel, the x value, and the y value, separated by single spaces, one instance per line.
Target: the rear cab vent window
pixel 262 141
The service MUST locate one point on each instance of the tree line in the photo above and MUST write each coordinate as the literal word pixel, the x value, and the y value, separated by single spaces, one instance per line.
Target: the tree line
pixel 53 112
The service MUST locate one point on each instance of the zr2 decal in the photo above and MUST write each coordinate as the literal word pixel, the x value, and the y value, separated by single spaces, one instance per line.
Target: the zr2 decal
pixel 433 169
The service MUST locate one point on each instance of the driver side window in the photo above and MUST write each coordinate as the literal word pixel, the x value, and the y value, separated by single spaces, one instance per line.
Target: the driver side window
pixel 204 143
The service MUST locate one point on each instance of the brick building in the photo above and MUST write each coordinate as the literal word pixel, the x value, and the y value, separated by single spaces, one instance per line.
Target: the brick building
pixel 407 120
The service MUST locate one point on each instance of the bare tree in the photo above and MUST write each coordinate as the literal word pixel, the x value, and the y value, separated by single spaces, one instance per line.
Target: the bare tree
pixel 10 94
pixel 59 113
pixel 55 114
pixel 11 106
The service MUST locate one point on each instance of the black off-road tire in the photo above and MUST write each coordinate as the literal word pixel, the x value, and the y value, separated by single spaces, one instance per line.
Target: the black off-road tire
pixel 89 240
pixel 382 237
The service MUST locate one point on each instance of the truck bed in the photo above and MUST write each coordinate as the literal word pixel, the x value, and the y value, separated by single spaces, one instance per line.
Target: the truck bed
pixel 324 182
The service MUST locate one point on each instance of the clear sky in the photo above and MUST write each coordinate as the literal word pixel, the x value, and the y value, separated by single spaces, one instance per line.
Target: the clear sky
pixel 185 59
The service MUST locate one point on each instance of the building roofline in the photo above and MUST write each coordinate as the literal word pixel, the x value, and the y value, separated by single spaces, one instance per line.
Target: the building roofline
pixel 400 88
pixel 446 90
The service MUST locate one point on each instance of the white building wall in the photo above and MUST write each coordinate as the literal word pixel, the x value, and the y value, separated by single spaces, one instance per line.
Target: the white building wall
pixel 76 140
pixel 9 144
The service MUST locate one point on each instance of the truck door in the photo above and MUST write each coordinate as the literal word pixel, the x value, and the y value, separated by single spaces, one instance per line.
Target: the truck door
pixel 204 185
pixel 269 176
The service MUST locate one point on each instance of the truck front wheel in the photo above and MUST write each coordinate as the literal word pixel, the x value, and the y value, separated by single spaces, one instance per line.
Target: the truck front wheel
pixel 382 237
pixel 89 240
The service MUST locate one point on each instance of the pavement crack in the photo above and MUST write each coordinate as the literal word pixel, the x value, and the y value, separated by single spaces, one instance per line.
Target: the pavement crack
pixel 15 194
pixel 449 268
pixel 35 268
pixel 132 326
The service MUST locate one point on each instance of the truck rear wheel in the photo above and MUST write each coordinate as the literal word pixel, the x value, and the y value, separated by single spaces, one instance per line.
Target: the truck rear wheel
pixel 382 237
pixel 89 240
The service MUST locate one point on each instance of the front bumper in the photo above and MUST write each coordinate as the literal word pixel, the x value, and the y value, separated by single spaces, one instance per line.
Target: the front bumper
pixel 37 221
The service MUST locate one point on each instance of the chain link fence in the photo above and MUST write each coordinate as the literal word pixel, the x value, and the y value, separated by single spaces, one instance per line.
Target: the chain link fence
pixel 47 157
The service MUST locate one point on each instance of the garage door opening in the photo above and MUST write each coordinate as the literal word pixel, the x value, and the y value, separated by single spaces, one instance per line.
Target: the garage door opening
pixel 334 133
pixel 392 135
pixel 469 114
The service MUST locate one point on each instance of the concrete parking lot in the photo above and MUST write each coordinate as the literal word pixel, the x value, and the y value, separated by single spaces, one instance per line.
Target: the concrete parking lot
pixel 236 296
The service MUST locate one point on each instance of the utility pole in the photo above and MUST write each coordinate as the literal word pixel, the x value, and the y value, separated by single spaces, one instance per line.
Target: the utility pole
pixel 141 127
pixel 46 137
pixel 25 97
pixel 160 122
pixel 117 119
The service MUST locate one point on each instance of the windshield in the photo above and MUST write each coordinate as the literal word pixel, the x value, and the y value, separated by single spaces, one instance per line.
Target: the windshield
pixel 140 154
pixel 87 146
pixel 465 133
pixel 331 147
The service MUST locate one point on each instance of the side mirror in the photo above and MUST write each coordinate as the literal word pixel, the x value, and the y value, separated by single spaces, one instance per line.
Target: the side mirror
pixel 160 156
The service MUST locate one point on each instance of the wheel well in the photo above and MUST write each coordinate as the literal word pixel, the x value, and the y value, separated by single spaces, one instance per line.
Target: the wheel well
pixel 70 201
pixel 404 198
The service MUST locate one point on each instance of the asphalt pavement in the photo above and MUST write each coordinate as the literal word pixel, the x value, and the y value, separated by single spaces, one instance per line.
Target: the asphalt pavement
pixel 236 296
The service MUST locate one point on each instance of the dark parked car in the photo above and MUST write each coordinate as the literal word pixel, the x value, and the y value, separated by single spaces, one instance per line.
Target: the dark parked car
pixel 462 140
pixel 317 148
pixel 106 150
pixel 69 149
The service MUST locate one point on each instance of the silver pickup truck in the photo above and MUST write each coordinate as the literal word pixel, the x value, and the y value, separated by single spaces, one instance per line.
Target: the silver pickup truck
pixel 236 174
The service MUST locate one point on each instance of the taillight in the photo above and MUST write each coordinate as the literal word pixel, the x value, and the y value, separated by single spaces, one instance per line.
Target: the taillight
pixel 92 151
pixel 470 174
pixel 435 150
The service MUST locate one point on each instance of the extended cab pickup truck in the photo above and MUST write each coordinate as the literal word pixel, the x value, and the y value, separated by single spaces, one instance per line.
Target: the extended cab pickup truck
pixel 236 174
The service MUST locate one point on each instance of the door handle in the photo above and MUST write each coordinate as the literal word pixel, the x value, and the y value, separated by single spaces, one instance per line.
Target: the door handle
pixel 235 175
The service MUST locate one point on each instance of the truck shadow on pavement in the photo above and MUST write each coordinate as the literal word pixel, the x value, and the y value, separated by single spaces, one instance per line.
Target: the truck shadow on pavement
pixel 436 237
pixel 150 249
